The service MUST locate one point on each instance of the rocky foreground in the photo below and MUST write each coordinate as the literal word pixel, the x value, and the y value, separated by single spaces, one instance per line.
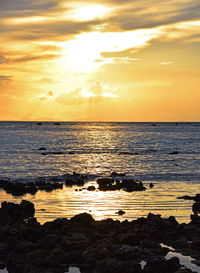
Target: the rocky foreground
pixel 106 246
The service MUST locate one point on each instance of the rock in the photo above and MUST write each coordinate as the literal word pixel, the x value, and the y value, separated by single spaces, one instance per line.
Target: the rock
pixel 151 185
pixel 57 123
pixel 2 265
pixel 82 219
pixel 17 188
pixel 196 208
pixel 120 212
pixel 158 265
pixel 117 174
pixel 39 123
pixel 186 197
pixel 91 188
pixel 27 208
pixel 129 185
pixel 71 153
pixel 174 153
pixel 197 197
pixel 42 149
pixel 153 124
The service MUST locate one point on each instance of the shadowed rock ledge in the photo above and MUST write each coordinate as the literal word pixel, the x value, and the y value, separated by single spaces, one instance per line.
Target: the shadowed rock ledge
pixel 105 246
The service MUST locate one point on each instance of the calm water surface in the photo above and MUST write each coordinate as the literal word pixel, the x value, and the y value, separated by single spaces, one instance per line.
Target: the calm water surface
pixel 140 150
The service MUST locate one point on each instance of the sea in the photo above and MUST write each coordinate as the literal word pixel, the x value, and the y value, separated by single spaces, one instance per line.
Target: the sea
pixel 166 154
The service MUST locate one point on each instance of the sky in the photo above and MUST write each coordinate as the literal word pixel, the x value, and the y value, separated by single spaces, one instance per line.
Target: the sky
pixel 105 60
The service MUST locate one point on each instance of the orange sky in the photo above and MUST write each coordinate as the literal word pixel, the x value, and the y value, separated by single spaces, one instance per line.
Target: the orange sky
pixel 106 60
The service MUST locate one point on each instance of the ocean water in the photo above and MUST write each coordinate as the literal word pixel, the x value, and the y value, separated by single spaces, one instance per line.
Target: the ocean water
pixel 139 150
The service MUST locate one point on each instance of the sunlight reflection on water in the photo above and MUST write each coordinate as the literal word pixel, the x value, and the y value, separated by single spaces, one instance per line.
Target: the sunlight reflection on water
pixel 69 202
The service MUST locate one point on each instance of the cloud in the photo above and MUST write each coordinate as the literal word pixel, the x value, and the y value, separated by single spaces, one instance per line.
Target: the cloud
pixel 96 93
pixel 46 97
pixel 166 63
pixel 5 80
pixel 136 14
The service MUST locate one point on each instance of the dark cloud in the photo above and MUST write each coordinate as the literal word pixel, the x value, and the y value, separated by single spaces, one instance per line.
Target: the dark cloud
pixel 129 15
pixel 148 14
pixel 47 30
pixel 30 5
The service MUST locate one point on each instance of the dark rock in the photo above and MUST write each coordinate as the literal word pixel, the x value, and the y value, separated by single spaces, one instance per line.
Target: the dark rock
pixel 197 197
pixel 82 219
pixel 196 208
pixel 174 153
pixel 153 124
pixel 42 149
pixel 57 123
pixel 71 153
pixel 158 265
pixel 27 208
pixel 17 188
pixel 117 174
pixel 129 185
pixel 91 188
pixel 121 212
pixel 39 123
pixel 151 185
pixel 186 197
pixel 2 265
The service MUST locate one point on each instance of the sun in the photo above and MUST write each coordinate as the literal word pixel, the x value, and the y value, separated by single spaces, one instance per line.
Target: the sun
pixel 85 11
pixel 90 12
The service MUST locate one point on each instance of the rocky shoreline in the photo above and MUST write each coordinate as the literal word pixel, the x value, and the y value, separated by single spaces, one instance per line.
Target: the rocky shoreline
pixel 114 182
pixel 105 246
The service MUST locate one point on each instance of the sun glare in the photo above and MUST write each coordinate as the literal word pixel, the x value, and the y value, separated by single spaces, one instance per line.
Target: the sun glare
pixel 82 53
pixel 84 11
pixel 90 12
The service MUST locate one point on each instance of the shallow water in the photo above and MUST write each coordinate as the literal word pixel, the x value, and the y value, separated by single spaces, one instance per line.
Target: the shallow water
pixel 68 202
pixel 137 149
pixel 185 261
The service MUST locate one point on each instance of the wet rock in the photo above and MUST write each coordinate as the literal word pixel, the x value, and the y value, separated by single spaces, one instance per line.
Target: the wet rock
pixel 153 124
pixel 91 188
pixel 48 186
pixel 158 265
pixel 117 174
pixel 39 123
pixel 174 153
pixel 82 219
pixel 71 153
pixel 57 123
pixel 75 179
pixel 151 185
pixel 196 208
pixel 129 185
pixel 121 212
pixel 195 219
pixel 186 197
pixel 106 246
pixel 197 197
pixel 42 149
